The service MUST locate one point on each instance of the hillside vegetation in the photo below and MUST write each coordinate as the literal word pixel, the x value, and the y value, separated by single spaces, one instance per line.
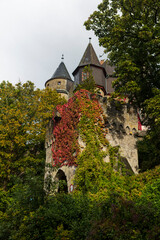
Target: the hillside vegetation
pixel 106 204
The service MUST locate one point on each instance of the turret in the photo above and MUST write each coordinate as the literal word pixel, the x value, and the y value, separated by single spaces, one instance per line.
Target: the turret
pixel 98 71
pixel 60 81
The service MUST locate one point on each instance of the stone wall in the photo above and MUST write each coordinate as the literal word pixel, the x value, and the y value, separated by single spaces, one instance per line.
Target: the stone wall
pixel 60 85
pixel 121 125
pixel 121 122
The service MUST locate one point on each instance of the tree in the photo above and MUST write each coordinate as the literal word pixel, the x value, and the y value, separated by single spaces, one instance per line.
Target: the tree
pixel 130 32
pixel 24 114
pixel 105 204
pixel 149 151
pixel 88 83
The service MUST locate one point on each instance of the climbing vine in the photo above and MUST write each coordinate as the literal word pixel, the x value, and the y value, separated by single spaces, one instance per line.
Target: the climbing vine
pixel 65 147
pixel 80 139
pixel 81 116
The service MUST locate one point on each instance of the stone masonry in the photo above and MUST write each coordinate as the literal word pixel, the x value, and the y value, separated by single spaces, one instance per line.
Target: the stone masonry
pixel 121 125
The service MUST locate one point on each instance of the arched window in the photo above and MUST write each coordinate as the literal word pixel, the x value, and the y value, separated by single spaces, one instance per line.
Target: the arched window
pixel 127 130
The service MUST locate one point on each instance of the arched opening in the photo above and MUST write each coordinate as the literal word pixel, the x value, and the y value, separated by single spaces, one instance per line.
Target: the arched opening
pixel 127 130
pixel 62 182
pixel 134 130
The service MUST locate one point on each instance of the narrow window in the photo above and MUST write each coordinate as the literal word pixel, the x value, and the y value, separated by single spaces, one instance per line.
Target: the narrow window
pixel 85 75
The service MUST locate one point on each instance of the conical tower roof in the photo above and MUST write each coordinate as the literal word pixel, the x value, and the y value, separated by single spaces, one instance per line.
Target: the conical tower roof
pixel 89 57
pixel 61 72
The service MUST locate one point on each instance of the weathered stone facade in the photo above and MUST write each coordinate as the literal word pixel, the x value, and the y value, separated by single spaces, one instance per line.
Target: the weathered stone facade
pixel 60 85
pixel 121 125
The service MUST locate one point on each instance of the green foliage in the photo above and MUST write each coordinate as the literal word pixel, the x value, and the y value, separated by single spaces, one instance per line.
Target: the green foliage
pixel 105 215
pixel 26 196
pixel 24 114
pixel 129 31
pixel 60 217
pixel 151 193
pixel 149 151
pixel 82 119
pixel 88 83
pixel 105 205
pixel 92 134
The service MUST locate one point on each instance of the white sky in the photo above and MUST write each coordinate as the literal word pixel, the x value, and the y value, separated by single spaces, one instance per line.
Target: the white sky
pixel 35 33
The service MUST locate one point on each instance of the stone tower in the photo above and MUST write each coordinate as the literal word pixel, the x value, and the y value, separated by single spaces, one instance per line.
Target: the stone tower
pixel 60 81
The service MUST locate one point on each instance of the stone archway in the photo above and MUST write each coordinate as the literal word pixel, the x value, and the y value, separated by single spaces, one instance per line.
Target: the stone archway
pixel 62 182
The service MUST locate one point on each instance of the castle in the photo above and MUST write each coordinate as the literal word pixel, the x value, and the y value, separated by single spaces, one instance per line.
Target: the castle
pixel 102 72
pixel 122 124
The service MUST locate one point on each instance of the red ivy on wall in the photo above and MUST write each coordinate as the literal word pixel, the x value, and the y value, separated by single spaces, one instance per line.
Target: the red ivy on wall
pixel 65 147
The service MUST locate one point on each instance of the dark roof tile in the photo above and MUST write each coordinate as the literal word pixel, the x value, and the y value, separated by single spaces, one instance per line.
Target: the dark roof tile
pixel 61 72
pixel 109 69
pixel 89 57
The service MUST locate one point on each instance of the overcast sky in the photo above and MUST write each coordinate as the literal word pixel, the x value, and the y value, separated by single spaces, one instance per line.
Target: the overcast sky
pixel 35 33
